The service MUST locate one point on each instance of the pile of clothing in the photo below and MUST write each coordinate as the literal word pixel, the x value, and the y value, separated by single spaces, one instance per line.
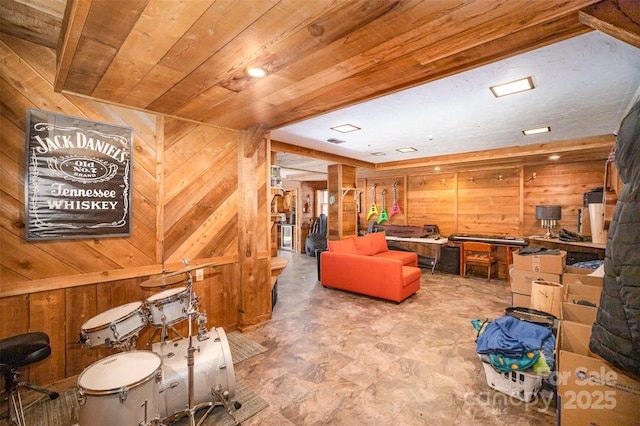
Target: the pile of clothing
pixel 509 344
pixel 537 251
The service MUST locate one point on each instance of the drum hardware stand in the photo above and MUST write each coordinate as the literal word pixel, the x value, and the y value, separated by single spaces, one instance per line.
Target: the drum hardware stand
pixel 203 333
pixel 164 337
pixel 192 408
pixel 217 391
pixel 124 346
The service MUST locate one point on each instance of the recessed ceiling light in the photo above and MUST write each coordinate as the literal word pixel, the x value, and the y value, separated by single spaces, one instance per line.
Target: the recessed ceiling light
pixel 512 87
pixel 345 128
pixel 257 72
pixel 436 168
pixel 536 131
pixel 378 154
pixel 408 149
pixel 554 157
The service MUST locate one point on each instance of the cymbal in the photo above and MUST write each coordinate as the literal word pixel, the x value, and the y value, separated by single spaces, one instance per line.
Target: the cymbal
pixel 172 277
pixel 189 268
pixel 162 281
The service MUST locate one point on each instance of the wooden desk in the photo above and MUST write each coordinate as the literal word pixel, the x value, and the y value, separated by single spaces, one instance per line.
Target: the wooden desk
pixel 570 246
pixel 277 266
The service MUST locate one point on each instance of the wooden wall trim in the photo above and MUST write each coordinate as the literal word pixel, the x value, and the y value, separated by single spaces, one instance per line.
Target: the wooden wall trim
pixel 514 156
pixel 521 203
pixel 35 286
pixel 456 205
pixel 160 189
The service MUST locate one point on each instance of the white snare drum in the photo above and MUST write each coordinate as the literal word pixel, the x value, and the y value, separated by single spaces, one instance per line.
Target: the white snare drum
pixel 121 389
pixel 115 325
pixel 168 307
pixel 213 367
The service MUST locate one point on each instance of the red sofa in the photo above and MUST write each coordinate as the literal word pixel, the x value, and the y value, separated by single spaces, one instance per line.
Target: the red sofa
pixel 365 265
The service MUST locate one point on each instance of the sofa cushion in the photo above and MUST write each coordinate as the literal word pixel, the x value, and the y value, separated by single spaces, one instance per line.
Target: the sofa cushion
pixel 363 245
pixel 408 258
pixel 379 242
pixel 342 246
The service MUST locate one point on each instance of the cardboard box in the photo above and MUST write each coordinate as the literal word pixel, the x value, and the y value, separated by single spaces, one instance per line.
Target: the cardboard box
pixel 575 293
pixel 581 276
pixel 521 280
pixel 587 418
pixel 590 390
pixel 549 263
pixel 547 296
pixel 520 300
pixel 579 313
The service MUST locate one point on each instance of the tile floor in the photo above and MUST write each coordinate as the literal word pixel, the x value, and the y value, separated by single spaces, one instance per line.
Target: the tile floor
pixel 337 358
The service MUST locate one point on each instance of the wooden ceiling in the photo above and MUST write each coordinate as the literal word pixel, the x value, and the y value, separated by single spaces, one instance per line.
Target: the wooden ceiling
pixel 188 58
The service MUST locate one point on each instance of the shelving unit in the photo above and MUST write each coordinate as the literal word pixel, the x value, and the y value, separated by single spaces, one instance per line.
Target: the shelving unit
pixel 356 191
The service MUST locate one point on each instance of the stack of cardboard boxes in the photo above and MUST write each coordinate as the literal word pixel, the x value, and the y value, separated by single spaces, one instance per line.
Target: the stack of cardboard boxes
pixel 527 269
pixel 590 391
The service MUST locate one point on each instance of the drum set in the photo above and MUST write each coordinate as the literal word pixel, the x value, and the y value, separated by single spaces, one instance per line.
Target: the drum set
pixel 156 387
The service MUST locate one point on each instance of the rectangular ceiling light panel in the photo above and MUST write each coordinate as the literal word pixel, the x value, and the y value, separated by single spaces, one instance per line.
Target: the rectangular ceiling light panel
pixel 345 128
pixel 513 87
pixel 409 149
pixel 536 131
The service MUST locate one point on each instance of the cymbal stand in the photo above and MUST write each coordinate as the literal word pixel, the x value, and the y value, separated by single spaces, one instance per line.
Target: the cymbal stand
pixel 192 408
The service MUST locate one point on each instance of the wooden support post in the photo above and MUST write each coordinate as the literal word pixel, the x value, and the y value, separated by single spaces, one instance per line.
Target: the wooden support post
pixel 254 286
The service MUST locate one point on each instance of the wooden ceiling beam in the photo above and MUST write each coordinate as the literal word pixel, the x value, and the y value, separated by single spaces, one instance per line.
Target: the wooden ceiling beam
pixel 254 136
pixel 511 155
pixel 38 22
pixel 618 18
pixel 75 16
pixel 277 146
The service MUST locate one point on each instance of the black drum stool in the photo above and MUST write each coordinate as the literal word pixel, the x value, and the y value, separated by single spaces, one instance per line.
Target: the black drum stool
pixel 18 351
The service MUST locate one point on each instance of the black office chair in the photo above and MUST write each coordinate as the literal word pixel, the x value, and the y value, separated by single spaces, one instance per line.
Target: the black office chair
pixel 15 352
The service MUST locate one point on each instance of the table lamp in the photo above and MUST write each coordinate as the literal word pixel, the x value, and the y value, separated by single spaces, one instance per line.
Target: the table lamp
pixel 548 216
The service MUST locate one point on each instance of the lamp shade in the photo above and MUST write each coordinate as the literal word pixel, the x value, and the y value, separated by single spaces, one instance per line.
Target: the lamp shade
pixel 548 212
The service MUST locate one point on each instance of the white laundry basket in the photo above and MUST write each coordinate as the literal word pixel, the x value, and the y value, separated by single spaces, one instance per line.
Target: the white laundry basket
pixel 519 384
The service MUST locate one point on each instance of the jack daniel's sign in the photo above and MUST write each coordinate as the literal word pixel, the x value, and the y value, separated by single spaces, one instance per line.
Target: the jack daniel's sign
pixel 77 178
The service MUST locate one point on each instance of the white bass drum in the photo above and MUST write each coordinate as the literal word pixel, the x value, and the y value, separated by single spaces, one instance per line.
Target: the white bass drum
pixel 212 367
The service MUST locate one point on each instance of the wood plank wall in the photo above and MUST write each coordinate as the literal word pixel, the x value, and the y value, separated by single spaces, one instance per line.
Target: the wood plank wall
pixel 185 205
pixel 487 202
pixel 498 202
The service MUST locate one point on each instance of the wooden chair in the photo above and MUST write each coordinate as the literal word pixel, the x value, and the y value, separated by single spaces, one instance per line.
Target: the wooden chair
pixel 478 254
